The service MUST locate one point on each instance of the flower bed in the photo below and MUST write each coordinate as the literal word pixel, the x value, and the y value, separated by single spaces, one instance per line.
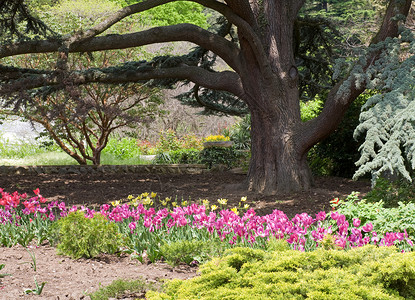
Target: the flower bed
pixel 145 230
pixel 195 233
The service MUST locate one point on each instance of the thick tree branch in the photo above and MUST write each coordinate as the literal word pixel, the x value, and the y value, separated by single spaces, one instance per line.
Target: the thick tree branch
pixel 337 101
pixel 243 19
pixel 81 38
pixel 182 32
pixel 225 81
pixel 243 9
pixel 11 73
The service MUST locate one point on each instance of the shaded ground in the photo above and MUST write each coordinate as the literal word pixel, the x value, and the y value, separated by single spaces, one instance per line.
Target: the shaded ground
pixel 98 189
pixel 69 279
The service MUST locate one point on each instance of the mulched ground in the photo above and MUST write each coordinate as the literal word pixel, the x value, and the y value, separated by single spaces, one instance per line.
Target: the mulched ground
pixel 97 189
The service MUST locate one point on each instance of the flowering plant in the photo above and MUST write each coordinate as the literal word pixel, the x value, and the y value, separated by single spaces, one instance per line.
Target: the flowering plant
pixel 146 147
pixel 217 138
pixel 144 230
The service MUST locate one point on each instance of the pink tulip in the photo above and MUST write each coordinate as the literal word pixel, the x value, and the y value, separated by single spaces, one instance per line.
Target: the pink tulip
pixel 368 227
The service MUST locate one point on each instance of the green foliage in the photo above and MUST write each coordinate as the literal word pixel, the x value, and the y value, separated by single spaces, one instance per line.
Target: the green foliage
pixel 168 141
pixel 191 141
pixel 391 192
pixel 337 154
pixel 120 287
pixel 240 134
pixel 19 148
pixel 172 13
pixel 181 156
pixel 388 119
pixel 176 13
pixel 275 244
pixel 361 273
pixel 319 164
pixel 80 236
pixel 27 153
pixel 146 148
pixel 37 290
pixel 122 148
pixel 189 252
pixel 162 159
pixel 174 150
pixel 310 109
pixel 212 156
pixel 68 16
pixel 29 229
pixel 395 219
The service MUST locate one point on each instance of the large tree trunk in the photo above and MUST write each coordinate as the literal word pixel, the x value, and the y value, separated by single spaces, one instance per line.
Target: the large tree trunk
pixel 278 164
pixel 270 80
pixel 279 155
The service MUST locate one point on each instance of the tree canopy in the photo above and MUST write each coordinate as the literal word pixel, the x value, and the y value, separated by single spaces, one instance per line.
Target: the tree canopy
pixel 259 42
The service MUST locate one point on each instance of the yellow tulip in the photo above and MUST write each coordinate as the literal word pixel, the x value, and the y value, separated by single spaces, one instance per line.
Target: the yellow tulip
pixel 223 201
pixel 235 210
pixel 205 202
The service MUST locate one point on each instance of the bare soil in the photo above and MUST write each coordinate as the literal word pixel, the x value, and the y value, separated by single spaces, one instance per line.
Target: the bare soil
pixel 73 279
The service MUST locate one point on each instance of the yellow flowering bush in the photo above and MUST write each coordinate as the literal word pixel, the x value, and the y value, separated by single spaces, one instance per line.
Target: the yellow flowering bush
pixel 217 138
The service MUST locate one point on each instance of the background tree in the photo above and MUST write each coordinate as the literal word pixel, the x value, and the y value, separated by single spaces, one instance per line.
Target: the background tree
pixel 262 72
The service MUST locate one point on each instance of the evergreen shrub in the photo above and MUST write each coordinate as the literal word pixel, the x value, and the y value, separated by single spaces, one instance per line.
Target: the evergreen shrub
pixel 212 156
pixel 78 236
pixel 368 272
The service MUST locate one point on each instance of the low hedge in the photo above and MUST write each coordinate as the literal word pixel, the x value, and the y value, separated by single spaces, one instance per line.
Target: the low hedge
pixel 368 272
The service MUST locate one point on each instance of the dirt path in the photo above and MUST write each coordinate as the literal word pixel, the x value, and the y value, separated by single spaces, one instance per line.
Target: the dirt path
pixel 73 279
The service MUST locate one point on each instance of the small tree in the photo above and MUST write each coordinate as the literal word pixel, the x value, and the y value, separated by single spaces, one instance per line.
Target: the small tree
pixel 82 126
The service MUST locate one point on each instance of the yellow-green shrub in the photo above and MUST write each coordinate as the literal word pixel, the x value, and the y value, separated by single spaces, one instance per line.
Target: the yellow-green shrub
pixel 78 236
pixel 242 273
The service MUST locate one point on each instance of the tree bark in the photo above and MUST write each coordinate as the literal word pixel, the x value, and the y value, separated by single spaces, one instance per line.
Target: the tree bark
pixel 279 153
pixel 278 163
